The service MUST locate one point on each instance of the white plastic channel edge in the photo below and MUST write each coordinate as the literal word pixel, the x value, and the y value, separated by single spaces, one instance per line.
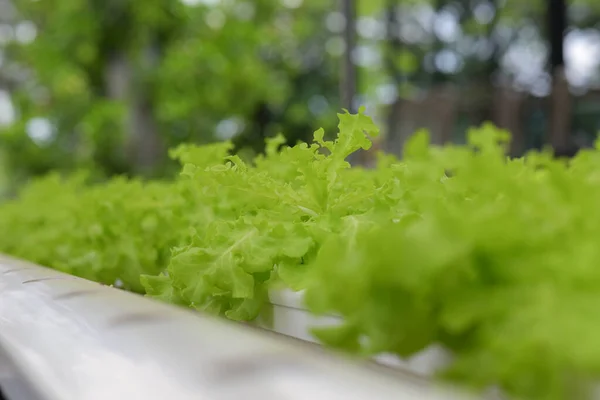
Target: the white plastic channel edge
pixel 291 318
pixel 65 338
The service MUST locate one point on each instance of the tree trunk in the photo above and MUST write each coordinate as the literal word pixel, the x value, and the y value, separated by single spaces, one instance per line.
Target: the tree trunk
pixel 144 145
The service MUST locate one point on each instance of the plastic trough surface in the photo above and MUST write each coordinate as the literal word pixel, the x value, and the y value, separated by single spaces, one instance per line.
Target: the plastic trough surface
pixel 65 338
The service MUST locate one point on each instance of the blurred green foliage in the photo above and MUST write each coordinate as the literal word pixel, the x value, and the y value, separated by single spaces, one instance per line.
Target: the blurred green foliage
pixel 196 73
pixel 112 84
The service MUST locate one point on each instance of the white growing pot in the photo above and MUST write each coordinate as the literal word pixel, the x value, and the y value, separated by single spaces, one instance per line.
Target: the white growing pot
pixel 291 317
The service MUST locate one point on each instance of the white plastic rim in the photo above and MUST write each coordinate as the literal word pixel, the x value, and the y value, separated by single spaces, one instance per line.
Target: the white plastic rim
pixel 291 318
pixel 65 338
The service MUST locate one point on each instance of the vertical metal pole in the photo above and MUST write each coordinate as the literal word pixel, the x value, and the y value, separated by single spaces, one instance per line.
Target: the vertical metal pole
pixel 560 98
pixel 393 46
pixel 557 25
pixel 348 81
pixel 348 78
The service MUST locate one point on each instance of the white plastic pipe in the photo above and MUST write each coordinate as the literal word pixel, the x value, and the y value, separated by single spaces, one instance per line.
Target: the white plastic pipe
pixel 291 317
pixel 65 338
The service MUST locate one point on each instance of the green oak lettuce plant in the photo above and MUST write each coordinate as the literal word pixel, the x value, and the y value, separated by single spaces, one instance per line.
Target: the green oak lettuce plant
pixel 111 232
pixel 263 222
pixel 496 259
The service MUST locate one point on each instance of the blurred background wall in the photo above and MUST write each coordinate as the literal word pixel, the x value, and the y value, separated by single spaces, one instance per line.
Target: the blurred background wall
pixel 110 85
